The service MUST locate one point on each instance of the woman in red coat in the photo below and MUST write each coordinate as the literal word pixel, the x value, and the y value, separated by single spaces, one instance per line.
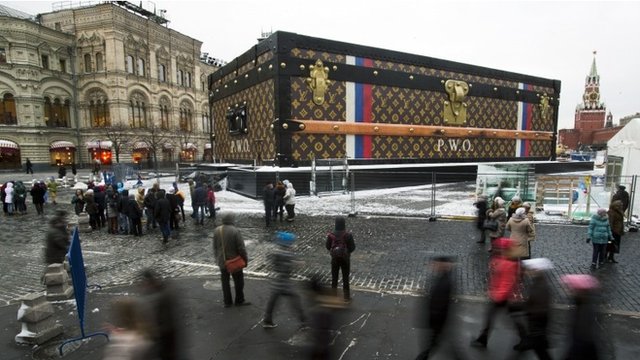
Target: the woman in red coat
pixel 503 279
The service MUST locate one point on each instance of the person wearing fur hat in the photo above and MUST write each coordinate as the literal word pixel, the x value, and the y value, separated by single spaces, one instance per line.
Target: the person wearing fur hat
pixel 498 214
pixel 515 203
pixel 537 307
pixel 599 234
pixel 521 231
pixel 616 220
pixel 503 279
pixel 283 260
pixel 623 196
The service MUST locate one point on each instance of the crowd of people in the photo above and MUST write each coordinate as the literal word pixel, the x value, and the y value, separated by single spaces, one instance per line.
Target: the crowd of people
pixel 14 196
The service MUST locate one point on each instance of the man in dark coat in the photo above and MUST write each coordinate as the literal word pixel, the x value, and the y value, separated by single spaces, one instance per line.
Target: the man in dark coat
pixel 268 199
pixel 340 244
pixel 134 213
pixel 199 201
pixel 227 244
pixel 481 205
pixel 438 302
pixel 57 240
pixel 623 196
pixel 29 166
pixel 101 200
pixel 175 209
pixel 37 195
pixel 150 204
pixel 162 212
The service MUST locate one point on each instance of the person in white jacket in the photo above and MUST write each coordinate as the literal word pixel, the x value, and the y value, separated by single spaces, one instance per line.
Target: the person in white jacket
pixel 290 200
pixel 8 199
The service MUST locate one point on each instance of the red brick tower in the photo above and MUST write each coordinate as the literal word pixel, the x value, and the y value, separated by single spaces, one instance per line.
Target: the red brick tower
pixel 591 113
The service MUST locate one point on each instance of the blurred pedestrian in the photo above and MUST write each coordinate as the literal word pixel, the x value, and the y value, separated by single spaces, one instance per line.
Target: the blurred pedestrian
pixel 162 213
pixel 537 308
pixel 584 334
pixel 503 280
pixel 290 200
pixel 278 193
pixel 128 339
pixel 268 201
pixel 199 202
pixel 62 172
pixel 616 220
pixel 284 261
pixel 52 187
pixel 29 166
pixel 57 239
pixel 323 307
pixel 113 199
pixel 521 231
pixel 211 201
pixel 498 214
pixel 164 317
pixel 481 205
pixel 123 211
pixel 436 304
pixel 227 244
pixel 340 244
pixel 623 196
pixel 599 234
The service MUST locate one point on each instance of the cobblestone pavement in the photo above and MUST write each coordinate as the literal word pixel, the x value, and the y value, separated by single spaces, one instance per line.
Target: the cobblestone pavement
pixel 391 254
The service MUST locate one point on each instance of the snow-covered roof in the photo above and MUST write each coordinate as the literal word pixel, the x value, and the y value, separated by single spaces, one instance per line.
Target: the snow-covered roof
pixel 10 12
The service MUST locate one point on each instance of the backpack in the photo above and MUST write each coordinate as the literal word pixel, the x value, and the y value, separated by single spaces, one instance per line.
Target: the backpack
pixel 338 245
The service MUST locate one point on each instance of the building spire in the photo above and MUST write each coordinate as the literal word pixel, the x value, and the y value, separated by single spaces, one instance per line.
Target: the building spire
pixel 594 70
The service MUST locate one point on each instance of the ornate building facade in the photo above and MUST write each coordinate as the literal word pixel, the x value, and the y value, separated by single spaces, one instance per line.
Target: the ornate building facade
pixel 593 127
pixel 99 82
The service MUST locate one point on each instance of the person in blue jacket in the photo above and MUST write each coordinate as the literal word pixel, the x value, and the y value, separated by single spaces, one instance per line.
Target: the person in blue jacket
pixel 599 234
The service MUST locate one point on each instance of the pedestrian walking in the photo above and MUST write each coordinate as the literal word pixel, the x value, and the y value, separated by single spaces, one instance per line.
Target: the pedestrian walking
pixel 584 333
pixel 62 172
pixel 128 338
pixel 29 166
pixel 623 196
pixel 435 305
pixel 162 213
pixel 199 202
pixel 498 214
pixel 284 261
pixel 340 244
pixel 57 240
pixel 52 188
pixel 290 200
pixel 279 193
pixel 163 314
pixel 616 220
pixel 268 201
pixel 227 244
pixel 537 308
pixel 503 279
pixel 599 234
pixel 521 232
pixel 481 205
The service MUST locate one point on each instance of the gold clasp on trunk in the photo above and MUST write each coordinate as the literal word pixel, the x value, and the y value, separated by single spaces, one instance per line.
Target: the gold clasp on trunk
pixel 318 81
pixel 544 107
pixel 455 109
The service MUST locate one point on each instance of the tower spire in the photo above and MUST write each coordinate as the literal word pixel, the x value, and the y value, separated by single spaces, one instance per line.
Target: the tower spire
pixel 594 71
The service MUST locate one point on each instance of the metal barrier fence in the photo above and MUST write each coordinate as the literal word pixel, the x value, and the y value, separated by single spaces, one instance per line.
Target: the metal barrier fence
pixel 557 198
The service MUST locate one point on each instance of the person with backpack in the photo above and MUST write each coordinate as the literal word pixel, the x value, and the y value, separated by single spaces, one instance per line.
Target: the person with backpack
pixel 340 244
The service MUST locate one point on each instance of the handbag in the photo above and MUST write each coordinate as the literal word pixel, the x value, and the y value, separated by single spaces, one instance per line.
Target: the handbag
pixel 234 264
pixel 490 224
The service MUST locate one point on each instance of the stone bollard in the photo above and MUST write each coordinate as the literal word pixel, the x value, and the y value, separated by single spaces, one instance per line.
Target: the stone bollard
pixel 57 282
pixel 83 223
pixel 38 325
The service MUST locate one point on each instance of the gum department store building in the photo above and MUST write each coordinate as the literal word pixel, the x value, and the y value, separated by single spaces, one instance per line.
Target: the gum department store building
pixel 73 80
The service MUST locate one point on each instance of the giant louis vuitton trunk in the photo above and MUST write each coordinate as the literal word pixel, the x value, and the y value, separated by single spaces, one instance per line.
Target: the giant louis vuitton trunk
pixel 292 98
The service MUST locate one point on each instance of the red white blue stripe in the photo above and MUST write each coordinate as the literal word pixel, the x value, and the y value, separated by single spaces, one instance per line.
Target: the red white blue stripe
pixel 358 109
pixel 525 122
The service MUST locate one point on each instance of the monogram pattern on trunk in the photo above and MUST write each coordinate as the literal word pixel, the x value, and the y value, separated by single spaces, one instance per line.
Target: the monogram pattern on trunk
pixel 259 142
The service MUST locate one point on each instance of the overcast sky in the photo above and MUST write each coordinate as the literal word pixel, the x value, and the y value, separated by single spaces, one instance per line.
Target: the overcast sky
pixel 542 38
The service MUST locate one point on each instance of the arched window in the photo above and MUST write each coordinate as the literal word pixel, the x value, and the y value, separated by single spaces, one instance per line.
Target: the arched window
pixel 140 67
pixel 129 64
pixel 99 62
pixel 162 73
pixel 186 117
pixel 164 114
pixel 57 112
pixel 98 109
pixel 87 63
pixel 8 110
pixel 180 77
pixel 206 125
pixel 188 80
pixel 137 111
pixel 65 117
pixel 48 112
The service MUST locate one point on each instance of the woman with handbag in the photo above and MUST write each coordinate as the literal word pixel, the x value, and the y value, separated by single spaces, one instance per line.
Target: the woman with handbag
pixel 231 256
pixel 496 220
pixel 616 219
